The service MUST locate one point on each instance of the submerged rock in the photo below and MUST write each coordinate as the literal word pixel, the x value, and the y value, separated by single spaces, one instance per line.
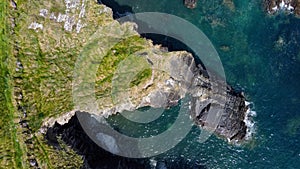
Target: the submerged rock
pixel 190 3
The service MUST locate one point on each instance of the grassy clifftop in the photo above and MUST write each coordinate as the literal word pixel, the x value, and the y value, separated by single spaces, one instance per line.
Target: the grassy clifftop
pixel 50 38
pixel 40 42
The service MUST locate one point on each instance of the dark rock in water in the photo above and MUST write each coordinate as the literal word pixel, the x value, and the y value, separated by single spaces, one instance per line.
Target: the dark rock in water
pixel 190 3
pixel 231 124
pixel 224 111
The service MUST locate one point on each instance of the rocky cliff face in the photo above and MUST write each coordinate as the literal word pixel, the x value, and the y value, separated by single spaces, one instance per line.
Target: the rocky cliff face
pixel 174 76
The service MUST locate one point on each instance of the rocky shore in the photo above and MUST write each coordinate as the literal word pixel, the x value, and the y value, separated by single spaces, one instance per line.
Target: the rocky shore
pixel 288 6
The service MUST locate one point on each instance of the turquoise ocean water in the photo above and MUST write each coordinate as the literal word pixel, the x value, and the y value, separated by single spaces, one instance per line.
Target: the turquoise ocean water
pixel 261 56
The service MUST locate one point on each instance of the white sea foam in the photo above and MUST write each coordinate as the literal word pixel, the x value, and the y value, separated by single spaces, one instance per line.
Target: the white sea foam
pixel 153 162
pixel 282 4
pixel 247 103
pixel 249 121
pixel 275 8
pixel 290 7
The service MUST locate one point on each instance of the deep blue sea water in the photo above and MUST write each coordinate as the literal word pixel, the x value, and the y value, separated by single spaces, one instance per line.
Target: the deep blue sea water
pixel 262 58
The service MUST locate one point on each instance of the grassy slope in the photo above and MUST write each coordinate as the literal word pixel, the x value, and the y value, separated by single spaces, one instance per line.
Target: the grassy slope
pixel 11 152
pixel 110 62
pixel 48 59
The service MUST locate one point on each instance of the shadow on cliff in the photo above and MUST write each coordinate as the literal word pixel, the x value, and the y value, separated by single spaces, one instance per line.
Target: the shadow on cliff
pixel 94 156
pixel 97 158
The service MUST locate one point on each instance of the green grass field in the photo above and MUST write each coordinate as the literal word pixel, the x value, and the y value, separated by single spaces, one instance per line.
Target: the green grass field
pixel 10 148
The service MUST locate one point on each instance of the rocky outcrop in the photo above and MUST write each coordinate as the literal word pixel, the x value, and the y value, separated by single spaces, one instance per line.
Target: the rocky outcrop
pixel 190 3
pixel 288 6
pixel 214 106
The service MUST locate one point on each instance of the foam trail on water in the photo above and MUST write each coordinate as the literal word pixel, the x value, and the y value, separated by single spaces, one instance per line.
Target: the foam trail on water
pixel 249 121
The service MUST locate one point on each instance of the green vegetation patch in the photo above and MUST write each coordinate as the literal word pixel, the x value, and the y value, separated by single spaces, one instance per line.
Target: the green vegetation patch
pixel 112 59
pixel 141 77
pixel 10 148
